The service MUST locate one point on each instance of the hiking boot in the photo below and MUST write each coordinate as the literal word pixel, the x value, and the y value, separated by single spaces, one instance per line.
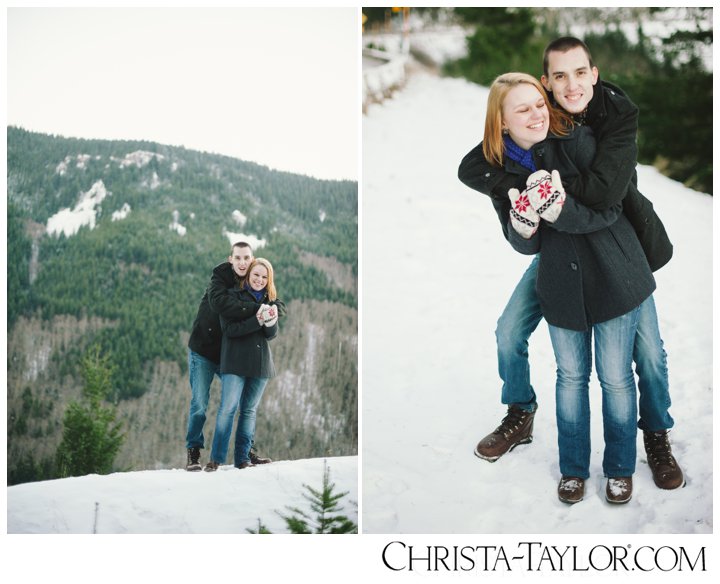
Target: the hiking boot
pixel 516 428
pixel 243 465
pixel 571 490
pixel 211 466
pixel 618 490
pixel 665 470
pixel 255 458
pixel 193 459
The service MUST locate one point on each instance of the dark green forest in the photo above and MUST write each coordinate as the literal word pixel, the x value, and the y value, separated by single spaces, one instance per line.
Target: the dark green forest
pixel 139 281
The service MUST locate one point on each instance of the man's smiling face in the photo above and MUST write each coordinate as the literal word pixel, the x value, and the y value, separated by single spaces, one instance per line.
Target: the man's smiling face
pixel 571 79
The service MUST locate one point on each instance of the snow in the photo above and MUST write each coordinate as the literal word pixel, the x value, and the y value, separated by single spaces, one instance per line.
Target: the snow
pixel 121 213
pixel 239 218
pixel 153 183
pixel 437 273
pixel 69 221
pixel 176 501
pixel 80 162
pixel 253 240
pixel 175 225
pixel 139 158
pixel 440 46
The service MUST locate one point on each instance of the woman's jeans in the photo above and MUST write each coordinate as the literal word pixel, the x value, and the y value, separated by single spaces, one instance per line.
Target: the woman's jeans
pixel 243 393
pixel 522 316
pixel 614 342
pixel 201 372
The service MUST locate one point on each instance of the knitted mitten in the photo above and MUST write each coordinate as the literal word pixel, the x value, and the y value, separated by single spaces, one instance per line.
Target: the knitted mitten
pixel 523 217
pixel 546 194
pixel 271 316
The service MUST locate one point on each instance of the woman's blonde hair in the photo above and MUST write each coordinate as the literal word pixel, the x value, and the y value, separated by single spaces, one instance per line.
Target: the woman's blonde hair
pixel 493 145
pixel 270 288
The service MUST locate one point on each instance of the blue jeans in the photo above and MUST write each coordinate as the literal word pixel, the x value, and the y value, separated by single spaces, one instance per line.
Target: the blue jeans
pixel 522 316
pixel 651 367
pixel 201 372
pixel 241 393
pixel 515 325
pixel 614 342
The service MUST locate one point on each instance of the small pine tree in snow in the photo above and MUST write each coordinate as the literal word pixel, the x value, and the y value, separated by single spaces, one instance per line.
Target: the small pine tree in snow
pixel 326 508
pixel 91 435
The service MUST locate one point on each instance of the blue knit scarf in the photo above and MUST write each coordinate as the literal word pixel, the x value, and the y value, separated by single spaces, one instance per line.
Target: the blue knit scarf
pixel 257 294
pixel 518 154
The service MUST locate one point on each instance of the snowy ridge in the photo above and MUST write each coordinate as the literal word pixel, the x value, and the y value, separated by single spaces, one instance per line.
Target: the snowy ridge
pixel 177 501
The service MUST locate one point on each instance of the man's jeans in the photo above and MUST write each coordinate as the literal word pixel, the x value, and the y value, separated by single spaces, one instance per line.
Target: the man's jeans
pixel 245 393
pixel 201 372
pixel 522 316
pixel 614 341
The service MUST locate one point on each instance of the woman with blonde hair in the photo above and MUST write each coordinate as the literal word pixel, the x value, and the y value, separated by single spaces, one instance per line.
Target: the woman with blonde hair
pixel 246 365
pixel 588 280
pixel 493 144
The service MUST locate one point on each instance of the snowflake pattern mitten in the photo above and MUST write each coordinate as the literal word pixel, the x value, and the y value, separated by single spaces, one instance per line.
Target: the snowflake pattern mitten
pixel 523 217
pixel 546 194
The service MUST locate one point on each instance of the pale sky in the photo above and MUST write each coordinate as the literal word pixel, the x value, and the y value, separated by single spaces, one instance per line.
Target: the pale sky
pixel 277 86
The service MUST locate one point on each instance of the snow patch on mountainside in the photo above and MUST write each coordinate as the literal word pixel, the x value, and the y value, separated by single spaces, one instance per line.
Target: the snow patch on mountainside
pixel 69 221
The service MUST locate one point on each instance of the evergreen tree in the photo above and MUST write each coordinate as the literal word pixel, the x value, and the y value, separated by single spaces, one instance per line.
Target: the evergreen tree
pixel 505 39
pixel 91 434
pixel 324 504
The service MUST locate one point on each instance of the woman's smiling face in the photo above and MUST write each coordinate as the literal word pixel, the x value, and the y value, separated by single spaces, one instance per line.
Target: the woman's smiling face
pixel 258 277
pixel 525 115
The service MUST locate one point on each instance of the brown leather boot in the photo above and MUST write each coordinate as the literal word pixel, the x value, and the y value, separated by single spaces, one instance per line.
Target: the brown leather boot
pixel 571 490
pixel 666 472
pixel 193 459
pixel 255 458
pixel 516 428
pixel 619 490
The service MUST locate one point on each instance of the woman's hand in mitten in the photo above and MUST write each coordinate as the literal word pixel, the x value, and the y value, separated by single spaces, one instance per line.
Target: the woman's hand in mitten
pixel 271 316
pixel 546 194
pixel 261 313
pixel 523 217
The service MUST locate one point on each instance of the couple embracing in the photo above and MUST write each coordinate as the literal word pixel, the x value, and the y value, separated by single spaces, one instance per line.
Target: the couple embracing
pixel 237 317
pixel 558 162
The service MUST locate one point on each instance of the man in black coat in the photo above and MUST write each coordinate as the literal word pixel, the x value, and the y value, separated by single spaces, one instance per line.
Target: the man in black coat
pixel 206 341
pixel 573 82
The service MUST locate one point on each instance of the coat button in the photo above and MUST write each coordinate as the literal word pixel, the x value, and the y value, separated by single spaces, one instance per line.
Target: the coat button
pixel 487 175
pixel 573 265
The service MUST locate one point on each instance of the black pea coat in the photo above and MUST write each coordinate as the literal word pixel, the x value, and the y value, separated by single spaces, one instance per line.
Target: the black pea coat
pixel 206 334
pixel 592 266
pixel 245 343
pixel 610 178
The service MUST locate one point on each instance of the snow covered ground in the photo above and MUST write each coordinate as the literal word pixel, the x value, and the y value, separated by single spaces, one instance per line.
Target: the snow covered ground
pixel 176 501
pixel 436 275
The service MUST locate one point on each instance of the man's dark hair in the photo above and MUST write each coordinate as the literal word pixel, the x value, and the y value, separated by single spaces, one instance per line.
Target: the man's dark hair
pixel 563 45
pixel 240 244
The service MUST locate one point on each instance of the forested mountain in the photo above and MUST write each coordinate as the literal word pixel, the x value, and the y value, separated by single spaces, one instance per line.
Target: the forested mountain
pixel 112 243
